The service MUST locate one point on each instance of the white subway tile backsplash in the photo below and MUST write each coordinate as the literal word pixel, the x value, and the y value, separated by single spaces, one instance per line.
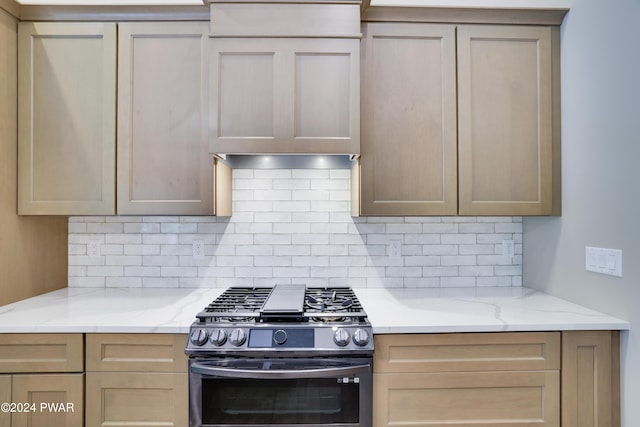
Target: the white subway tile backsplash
pixel 293 226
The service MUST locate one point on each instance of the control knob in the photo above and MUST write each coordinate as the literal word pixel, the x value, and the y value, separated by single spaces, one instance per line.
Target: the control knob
pixel 361 337
pixel 341 337
pixel 198 337
pixel 218 337
pixel 237 337
pixel 280 337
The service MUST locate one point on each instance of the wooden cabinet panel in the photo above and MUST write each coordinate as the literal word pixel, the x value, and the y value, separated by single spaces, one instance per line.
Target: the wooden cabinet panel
pixel 467 379
pixel 272 19
pixel 61 394
pixel 66 115
pixel 285 95
pixel 5 396
pixel 504 351
pixel 459 120
pixel 164 165
pixel 133 399
pixel 41 353
pixel 408 151
pixel 136 352
pixel 467 399
pixel 505 120
pixel 590 379
pixel 136 379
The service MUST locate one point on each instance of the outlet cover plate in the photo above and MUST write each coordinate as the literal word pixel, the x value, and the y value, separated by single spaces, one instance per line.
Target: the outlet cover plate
pixel 603 260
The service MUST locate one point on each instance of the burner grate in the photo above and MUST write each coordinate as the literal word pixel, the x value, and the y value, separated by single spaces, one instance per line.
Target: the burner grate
pixel 235 304
pixel 330 302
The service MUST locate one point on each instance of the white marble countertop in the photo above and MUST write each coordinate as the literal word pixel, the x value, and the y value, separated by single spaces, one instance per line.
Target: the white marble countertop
pixel 162 310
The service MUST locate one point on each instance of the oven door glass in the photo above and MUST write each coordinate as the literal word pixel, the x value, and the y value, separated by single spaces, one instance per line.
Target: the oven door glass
pixel 277 391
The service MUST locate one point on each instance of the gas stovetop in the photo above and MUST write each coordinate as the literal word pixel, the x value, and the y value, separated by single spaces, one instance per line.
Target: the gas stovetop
pixel 284 303
pixel 282 319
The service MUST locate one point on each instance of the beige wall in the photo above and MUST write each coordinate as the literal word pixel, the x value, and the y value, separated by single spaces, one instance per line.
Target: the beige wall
pixel 33 250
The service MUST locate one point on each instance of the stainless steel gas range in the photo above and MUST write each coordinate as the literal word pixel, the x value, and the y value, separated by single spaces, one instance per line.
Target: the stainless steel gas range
pixel 285 356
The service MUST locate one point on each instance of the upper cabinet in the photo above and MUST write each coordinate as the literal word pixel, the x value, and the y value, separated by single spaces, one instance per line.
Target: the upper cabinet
pixel 67 118
pixel 285 78
pixel 408 149
pixel 164 165
pixel 505 118
pixel 67 121
pixel 459 120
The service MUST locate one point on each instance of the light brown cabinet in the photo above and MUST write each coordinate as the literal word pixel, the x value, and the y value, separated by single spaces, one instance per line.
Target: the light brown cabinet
pixel 67 114
pixel 67 118
pixel 459 119
pixel 467 379
pixel 164 165
pixel 285 95
pixel 43 372
pixel 408 149
pixel 5 396
pixel 136 379
pixel 569 378
pixel 285 77
pixel 505 120
pixel 591 378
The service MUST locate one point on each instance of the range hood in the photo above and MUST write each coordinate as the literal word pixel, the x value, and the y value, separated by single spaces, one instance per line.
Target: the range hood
pixel 289 161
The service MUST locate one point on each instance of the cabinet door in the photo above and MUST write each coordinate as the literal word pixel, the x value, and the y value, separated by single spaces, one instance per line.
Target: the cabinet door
pixel 164 165
pixel 133 399
pixel 57 399
pixel 5 396
pixel 505 120
pixel 590 378
pixel 408 150
pixel 466 399
pixel 285 95
pixel 66 133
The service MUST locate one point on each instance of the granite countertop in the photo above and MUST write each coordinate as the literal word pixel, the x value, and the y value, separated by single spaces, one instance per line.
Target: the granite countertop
pixel 171 310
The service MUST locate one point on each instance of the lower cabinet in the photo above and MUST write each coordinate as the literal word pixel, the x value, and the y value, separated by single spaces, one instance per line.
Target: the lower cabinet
pixel 42 380
pixel 550 379
pixel 5 396
pixel 52 400
pixel 471 379
pixel 591 378
pixel 510 379
pixel 136 380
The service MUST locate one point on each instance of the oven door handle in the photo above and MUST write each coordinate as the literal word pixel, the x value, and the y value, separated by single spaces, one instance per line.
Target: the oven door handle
pixel 217 371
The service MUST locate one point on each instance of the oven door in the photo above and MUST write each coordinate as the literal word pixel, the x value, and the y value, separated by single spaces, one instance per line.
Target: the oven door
pixel 280 392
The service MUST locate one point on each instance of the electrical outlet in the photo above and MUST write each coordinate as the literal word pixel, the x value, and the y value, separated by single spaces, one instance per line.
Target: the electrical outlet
pixel 508 251
pixel 395 249
pixel 198 249
pixel 93 248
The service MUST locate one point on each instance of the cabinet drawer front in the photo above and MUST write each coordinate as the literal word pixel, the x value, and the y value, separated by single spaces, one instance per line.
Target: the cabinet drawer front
pixel 135 399
pixel 508 399
pixel 41 353
pixel 58 400
pixel 467 352
pixel 136 352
